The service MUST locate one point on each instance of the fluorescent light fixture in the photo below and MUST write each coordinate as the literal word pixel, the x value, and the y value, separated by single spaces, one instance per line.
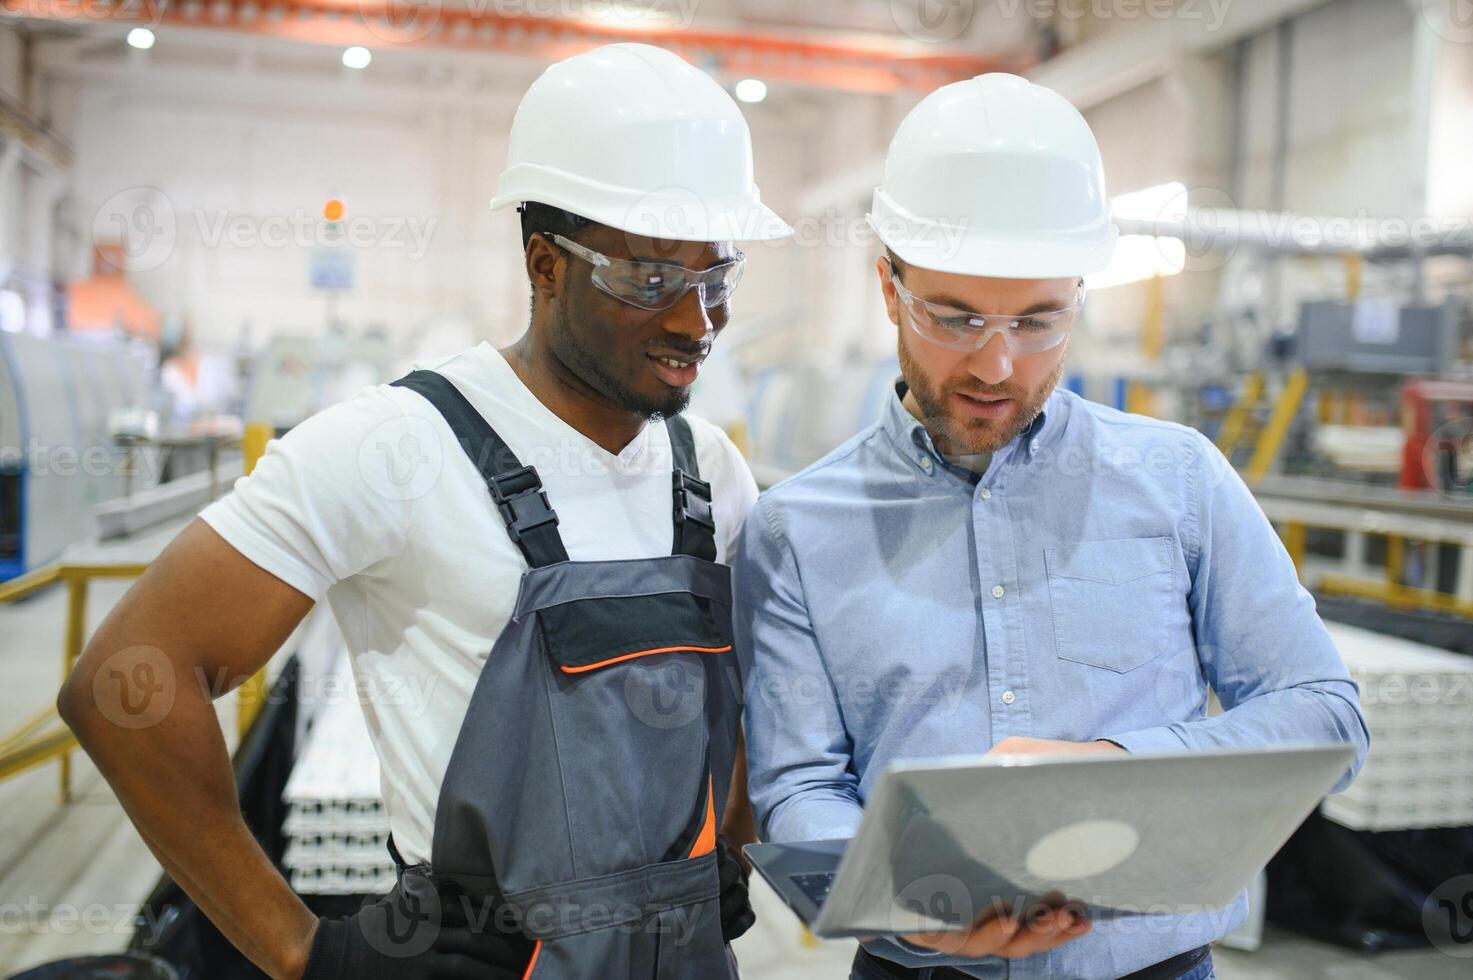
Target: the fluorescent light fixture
pixel 357 57
pixel 1139 257
pixel 141 38
pixel 751 90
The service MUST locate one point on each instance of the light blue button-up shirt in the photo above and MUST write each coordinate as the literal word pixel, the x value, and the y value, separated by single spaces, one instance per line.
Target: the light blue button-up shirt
pixel 1101 575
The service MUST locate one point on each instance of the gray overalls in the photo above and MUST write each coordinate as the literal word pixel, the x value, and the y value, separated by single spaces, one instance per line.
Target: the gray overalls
pixel 591 771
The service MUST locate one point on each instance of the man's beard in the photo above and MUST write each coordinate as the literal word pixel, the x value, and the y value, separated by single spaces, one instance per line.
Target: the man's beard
pixel 591 370
pixel 957 435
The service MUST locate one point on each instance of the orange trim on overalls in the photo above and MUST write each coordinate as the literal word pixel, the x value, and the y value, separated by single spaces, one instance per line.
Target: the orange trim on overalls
pixel 705 841
pixel 641 653
pixel 532 963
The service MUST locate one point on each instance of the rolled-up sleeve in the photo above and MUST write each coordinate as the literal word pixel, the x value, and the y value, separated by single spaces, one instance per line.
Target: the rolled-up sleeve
pixel 1260 642
pixel 799 757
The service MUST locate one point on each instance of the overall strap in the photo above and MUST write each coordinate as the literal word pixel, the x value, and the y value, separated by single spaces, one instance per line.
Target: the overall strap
pixel 516 489
pixel 695 527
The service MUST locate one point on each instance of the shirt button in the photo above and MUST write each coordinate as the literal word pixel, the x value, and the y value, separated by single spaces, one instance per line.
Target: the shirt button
pixel 926 463
pixel 985 493
pixel 997 592
pixel 1008 697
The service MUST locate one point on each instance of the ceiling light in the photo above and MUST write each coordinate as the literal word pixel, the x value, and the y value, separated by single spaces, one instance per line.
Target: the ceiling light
pixel 141 38
pixel 357 57
pixel 751 90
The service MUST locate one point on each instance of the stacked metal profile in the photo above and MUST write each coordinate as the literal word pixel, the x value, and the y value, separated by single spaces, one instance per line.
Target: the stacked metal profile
pixel 336 825
pixel 1418 703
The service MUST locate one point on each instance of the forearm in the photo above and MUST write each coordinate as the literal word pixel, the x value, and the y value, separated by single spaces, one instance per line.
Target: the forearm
pixel 738 824
pixel 175 781
pixel 1318 712
pixel 198 622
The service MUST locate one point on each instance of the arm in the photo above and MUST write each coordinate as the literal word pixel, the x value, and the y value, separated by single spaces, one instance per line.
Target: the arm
pixel 200 615
pixel 1261 644
pixel 801 771
pixel 207 614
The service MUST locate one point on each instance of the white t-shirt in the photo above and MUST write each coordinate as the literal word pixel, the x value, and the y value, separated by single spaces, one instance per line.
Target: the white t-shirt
pixel 373 504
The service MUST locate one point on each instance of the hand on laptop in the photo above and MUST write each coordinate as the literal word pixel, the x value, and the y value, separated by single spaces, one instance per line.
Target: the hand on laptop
pixel 1008 933
pixel 1019 745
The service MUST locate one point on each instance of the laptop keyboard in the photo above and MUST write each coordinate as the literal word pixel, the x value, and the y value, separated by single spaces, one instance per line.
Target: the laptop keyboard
pixel 815 885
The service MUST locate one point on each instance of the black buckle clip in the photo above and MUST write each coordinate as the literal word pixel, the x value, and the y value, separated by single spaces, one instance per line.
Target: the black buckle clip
pixel 693 501
pixel 522 501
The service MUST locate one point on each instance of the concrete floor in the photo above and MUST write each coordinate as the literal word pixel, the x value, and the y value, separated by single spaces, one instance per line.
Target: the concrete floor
pixel 71 877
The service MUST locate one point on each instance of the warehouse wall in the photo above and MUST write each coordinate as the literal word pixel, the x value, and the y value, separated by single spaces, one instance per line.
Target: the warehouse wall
pixel 10 176
pixel 241 183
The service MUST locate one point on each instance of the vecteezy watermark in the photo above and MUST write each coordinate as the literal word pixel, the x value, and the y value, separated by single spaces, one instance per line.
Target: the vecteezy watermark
pixel 1418 689
pixel 1451 20
pixel 1213 13
pixel 301 229
pixel 135 687
pixel 937 906
pixel 1447 458
pixel 408 21
pixel 36 917
pixel 673 215
pixel 1447 916
pixel 933 21
pixel 667 694
pixel 401 458
pixel 141 227
pixel 139 13
pixel 1213 228
pixel 141 221
pixel 95 460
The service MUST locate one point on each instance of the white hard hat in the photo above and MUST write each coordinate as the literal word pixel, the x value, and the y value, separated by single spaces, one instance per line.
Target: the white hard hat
pixel 632 136
pixel 995 176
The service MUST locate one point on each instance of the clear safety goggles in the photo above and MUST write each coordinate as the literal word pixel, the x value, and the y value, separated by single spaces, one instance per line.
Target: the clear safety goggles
pixel 658 285
pixel 956 329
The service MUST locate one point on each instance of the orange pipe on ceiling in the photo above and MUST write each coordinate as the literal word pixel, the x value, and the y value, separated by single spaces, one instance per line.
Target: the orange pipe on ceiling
pixel 858 66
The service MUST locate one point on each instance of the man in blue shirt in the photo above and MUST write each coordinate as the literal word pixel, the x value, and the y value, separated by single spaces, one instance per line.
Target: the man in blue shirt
pixel 1001 566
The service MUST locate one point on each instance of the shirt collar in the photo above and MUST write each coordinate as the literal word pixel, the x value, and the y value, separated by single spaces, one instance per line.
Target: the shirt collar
pixel 913 441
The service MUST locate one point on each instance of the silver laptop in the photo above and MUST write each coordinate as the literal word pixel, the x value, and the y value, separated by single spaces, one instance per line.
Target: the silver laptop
pixel 943 841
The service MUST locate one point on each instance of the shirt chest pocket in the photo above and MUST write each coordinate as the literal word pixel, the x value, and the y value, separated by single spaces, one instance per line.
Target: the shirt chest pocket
pixel 1112 600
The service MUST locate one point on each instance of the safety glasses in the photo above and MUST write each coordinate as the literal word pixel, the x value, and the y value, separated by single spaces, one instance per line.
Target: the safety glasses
pixel 658 285
pixel 947 326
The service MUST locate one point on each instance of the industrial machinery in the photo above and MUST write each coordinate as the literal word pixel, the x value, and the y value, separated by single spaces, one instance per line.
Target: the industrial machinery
pixel 1437 419
pixel 294 377
pixel 57 457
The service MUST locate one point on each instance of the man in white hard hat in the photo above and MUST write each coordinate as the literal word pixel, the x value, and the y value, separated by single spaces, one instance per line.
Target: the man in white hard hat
pixel 1001 566
pixel 533 536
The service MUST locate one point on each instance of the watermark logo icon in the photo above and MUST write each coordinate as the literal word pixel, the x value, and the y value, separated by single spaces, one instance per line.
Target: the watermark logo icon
pixel 1447 916
pixel 668 217
pixel 401 21
pixel 943 903
pixel 666 695
pixel 135 687
pixel 137 227
pixel 401 458
pixel 1447 458
pixel 1451 20
pixel 933 21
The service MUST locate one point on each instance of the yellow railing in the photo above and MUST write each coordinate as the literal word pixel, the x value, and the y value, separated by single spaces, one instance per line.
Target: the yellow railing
pixel 1285 409
pixel 43 736
pixel 1392 591
pixel 1237 417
